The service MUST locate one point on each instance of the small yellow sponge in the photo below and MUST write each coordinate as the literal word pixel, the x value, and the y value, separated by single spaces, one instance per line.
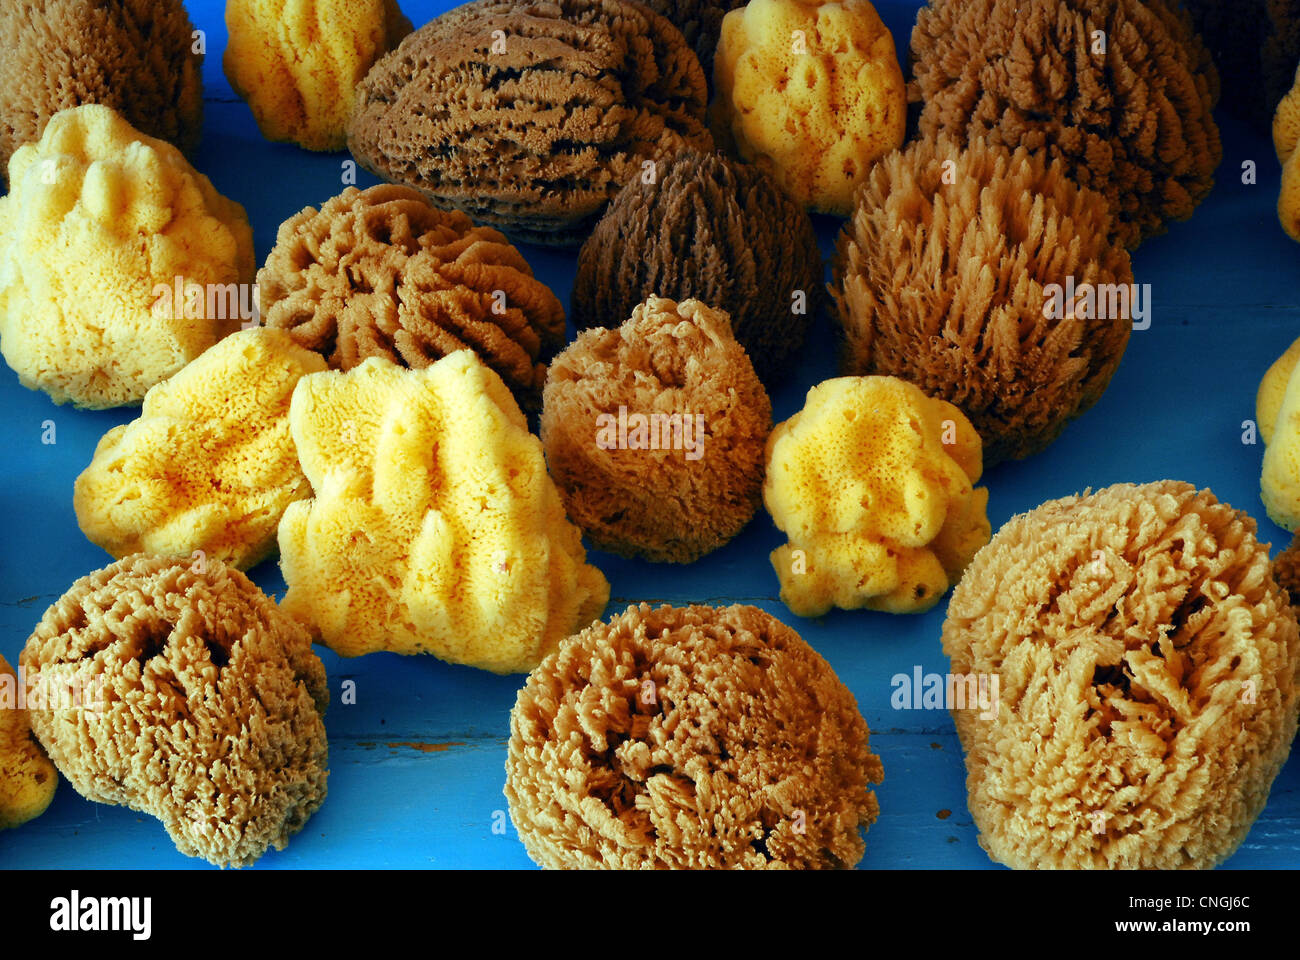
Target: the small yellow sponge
pixel 209 465
pixel 872 483
pixel 812 91
pixel 27 777
pixel 435 527
pixel 297 62
pixel 98 221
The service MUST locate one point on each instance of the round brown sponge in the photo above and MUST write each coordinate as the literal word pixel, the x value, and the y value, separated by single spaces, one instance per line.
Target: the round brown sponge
pixel 1148 668
pixel 654 432
pixel 207 703
pixel 700 737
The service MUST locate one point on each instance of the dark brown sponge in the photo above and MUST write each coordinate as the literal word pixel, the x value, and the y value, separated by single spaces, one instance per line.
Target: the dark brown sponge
pixel 700 22
pixel 714 230
pixel 700 737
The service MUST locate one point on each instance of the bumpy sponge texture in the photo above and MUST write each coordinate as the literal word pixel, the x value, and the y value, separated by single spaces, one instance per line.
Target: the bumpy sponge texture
pixel 689 738
pixel 27 778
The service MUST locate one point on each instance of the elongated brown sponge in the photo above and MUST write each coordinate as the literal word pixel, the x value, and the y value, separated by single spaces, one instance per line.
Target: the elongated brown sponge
pixel 943 276
pixel 700 737
pixel 1148 669
pixel 206 703
pixel 1121 90
pixel 712 230
pixel 531 117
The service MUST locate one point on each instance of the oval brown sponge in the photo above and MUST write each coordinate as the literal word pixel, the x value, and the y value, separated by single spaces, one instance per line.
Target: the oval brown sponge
pixel 1133 122
pixel 135 56
pixel 382 272
pixel 654 432
pixel 207 703
pixel 940 279
pixel 700 737
pixel 1147 664
pixel 530 117
pixel 708 229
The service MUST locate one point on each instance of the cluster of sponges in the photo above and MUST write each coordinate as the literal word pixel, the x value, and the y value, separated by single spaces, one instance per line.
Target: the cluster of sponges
pixel 1277 412
pixel 654 432
pixel 209 465
pixel 689 738
pixel 811 91
pixel 27 778
pixel 1286 137
pixel 297 62
pixel 713 230
pixel 99 227
pixel 943 276
pixel 1148 668
pixel 531 118
pixel 872 481
pixel 1121 91
pixel 435 527
pixel 381 272
pixel 207 704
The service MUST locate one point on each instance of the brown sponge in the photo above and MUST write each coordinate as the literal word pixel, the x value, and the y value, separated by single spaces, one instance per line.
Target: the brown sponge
pixel 1133 123
pixel 700 737
pixel 700 22
pixel 1147 667
pixel 654 432
pixel 939 279
pixel 531 117
pixel 714 230
pixel 209 703
pixel 381 272
pixel 135 56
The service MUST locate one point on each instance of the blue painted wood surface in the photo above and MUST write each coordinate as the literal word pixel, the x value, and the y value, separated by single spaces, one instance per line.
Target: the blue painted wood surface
pixel 417 765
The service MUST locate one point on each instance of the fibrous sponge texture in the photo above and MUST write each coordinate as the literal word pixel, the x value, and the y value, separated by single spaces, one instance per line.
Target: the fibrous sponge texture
pixel 435 527
pixel 27 778
pixel 209 704
pixel 100 226
pixel 1147 666
pixel 872 481
pixel 531 117
pixel 945 276
pixel 209 465
pixel 694 737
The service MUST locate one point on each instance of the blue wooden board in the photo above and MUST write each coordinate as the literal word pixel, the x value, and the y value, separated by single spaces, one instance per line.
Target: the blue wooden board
pixel 417 764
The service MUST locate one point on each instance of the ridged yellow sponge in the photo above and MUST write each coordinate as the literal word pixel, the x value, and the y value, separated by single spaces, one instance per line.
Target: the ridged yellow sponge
pixel 435 527
pixel 812 91
pixel 27 777
pixel 209 465
pixel 99 221
pixel 297 62
pixel 872 482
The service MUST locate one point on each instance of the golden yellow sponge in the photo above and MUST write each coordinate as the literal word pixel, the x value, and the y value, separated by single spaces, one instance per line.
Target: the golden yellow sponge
pixel 297 62
pixel 435 527
pixel 209 465
pixel 872 483
pixel 27 777
pixel 100 225
pixel 1286 135
pixel 1279 482
pixel 812 91
pixel 1268 400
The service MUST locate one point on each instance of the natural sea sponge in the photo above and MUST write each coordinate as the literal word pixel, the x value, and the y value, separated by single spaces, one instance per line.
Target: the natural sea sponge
pixel 1286 137
pixel 100 225
pixel 654 432
pixel 713 230
pixel 381 272
pixel 531 118
pixel 1279 481
pixel 209 465
pixel 700 22
pixel 689 738
pixel 435 527
pixel 27 778
pixel 811 91
pixel 297 62
pixel 136 56
pixel 942 278
pixel 210 717
pixel 873 482
pixel 1272 390
pixel 1147 665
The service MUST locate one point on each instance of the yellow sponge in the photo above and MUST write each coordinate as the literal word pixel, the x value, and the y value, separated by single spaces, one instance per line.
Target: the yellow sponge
pixel 27 777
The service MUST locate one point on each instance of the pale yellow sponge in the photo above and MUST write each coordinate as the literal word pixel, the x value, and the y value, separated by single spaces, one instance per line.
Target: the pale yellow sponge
pixel 297 62
pixel 27 777
pixel 811 91
pixel 872 482
pixel 100 225
pixel 435 527
pixel 209 465
pixel 1268 400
